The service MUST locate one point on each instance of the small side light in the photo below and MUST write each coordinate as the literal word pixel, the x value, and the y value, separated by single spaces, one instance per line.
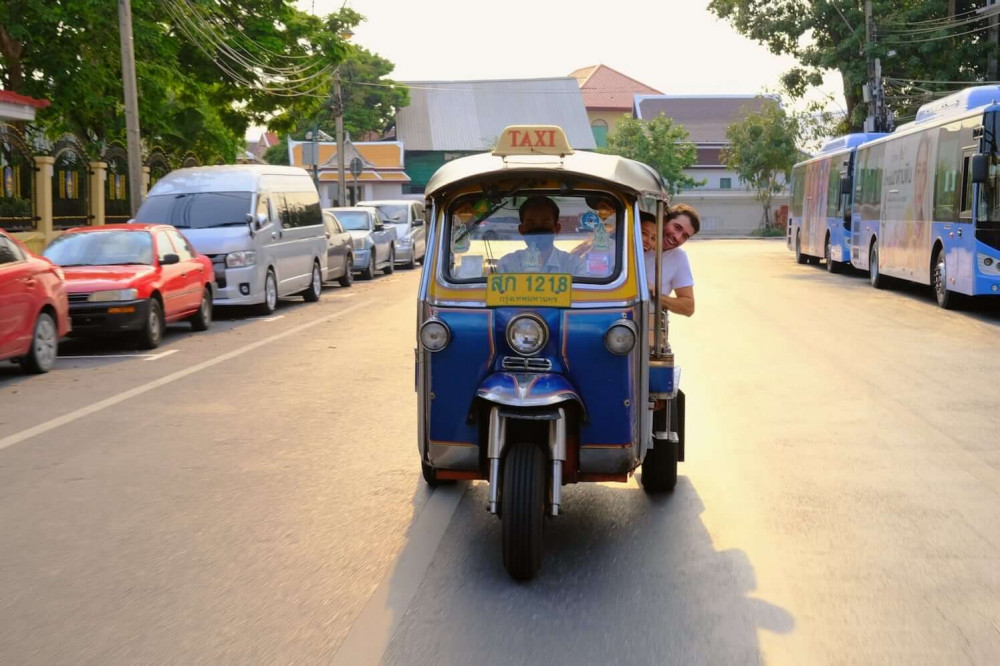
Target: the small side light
pixel 434 335
pixel 621 337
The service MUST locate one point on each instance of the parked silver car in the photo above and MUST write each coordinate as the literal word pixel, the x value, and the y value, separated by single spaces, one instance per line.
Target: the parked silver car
pixel 411 233
pixel 374 240
pixel 339 252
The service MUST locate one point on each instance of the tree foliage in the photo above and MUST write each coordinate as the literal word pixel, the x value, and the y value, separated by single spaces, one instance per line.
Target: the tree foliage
pixel 830 36
pixel 762 150
pixel 69 53
pixel 660 143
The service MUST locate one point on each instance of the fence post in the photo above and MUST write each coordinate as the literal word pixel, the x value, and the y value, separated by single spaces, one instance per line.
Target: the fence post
pixel 43 197
pixel 98 181
pixel 146 177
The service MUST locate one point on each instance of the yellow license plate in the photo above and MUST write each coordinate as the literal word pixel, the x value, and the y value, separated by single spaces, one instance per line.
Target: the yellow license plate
pixel 529 290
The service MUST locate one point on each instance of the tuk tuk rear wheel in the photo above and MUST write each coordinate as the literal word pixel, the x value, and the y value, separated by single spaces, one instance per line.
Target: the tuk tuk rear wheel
pixel 523 509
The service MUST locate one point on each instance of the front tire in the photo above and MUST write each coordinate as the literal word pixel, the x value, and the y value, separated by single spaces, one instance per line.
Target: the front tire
pixel 202 320
pixel 369 272
pixel 270 303
pixel 523 509
pixel 412 263
pixel 151 334
pixel 312 294
pixel 939 283
pixel 799 257
pixel 391 266
pixel 831 265
pixel 874 274
pixel 44 348
pixel 347 279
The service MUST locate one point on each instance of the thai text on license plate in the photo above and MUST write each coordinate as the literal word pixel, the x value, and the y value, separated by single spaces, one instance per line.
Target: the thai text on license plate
pixel 529 290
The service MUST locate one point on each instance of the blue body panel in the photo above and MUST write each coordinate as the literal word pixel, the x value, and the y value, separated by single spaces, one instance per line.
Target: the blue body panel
pixel 663 380
pixel 605 384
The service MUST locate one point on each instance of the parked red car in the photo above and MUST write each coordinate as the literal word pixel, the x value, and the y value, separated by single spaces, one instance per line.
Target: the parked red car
pixel 133 278
pixel 33 309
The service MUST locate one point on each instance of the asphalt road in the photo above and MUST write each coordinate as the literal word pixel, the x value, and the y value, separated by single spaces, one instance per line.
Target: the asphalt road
pixel 252 495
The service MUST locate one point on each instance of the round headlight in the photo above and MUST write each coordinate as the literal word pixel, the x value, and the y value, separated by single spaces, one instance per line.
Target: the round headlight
pixel 620 338
pixel 526 334
pixel 988 261
pixel 434 335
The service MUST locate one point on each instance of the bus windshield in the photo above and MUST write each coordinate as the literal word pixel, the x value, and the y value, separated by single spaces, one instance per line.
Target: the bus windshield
pixel 576 235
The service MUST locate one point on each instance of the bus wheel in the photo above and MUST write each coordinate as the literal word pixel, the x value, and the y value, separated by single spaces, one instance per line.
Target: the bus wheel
pixel 799 257
pixel 939 281
pixel 831 265
pixel 874 276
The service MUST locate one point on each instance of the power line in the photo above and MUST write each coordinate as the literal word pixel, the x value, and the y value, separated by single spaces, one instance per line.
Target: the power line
pixel 894 40
pixel 948 26
pixel 947 19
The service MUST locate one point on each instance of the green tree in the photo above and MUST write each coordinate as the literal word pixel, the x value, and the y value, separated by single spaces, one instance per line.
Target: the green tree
pixel 762 150
pixel 206 69
pixel 278 153
pixel 660 143
pixel 827 35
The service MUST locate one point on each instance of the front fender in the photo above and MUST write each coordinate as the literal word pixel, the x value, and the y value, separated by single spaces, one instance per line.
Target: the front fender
pixel 515 389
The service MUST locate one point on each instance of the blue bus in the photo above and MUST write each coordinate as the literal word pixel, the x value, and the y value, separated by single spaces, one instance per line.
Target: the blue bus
pixel 820 222
pixel 927 199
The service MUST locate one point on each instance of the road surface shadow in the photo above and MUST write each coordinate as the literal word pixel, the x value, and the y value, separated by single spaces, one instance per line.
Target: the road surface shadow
pixel 627 578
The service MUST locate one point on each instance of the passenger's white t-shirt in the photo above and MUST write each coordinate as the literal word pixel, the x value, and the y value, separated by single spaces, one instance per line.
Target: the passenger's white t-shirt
pixel 676 270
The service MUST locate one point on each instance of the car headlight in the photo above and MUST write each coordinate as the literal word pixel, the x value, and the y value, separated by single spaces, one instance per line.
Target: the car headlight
pixel 113 295
pixel 359 243
pixel 240 259
pixel 434 335
pixel 620 338
pixel 526 334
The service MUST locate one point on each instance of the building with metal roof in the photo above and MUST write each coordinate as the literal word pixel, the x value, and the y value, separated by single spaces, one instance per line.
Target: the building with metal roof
pixel 450 119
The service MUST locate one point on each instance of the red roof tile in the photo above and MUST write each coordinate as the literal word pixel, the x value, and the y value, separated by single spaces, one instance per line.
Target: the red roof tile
pixel 12 97
pixel 607 88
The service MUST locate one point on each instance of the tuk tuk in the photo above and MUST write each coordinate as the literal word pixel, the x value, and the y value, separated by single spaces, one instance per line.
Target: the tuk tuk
pixel 542 357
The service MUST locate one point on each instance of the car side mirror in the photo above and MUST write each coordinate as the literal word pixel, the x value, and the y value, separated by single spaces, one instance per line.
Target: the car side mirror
pixel 169 259
pixel 846 186
pixel 417 222
pixel 980 168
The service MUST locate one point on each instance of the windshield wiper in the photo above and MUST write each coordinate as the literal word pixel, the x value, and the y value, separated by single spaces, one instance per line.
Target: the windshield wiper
pixel 490 212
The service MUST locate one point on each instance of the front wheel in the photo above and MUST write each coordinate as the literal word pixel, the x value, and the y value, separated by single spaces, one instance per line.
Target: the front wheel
pixel 799 257
pixel 369 272
pixel 151 334
pixel 939 281
pixel 202 320
pixel 41 355
pixel 347 279
pixel 874 275
pixel 391 266
pixel 270 303
pixel 311 295
pixel 522 505
pixel 831 265
pixel 412 263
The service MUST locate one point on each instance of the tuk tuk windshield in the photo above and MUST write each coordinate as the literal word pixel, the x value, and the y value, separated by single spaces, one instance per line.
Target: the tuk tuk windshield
pixel 578 235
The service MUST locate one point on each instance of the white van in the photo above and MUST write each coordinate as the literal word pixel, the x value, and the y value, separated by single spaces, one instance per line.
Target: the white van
pixel 261 226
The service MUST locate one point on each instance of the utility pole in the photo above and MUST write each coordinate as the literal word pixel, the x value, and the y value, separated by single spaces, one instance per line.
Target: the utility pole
pixel 131 106
pixel 341 176
pixel 870 85
pixel 991 10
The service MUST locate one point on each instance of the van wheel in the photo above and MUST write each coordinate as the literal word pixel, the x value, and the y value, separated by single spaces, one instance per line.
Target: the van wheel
pixel 202 320
pixel 151 334
pixel 270 303
pixel 41 355
pixel 312 294
pixel 391 266
pixel 523 509
pixel 347 279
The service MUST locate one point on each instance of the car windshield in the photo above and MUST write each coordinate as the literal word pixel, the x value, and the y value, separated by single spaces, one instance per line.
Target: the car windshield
pixel 101 248
pixel 353 220
pixel 393 213
pixel 527 233
pixel 200 210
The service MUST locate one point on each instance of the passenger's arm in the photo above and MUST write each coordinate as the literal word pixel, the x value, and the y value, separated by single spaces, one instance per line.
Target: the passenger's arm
pixel 682 303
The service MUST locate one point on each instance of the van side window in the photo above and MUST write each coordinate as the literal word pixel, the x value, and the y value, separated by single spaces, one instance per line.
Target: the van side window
pixel 287 212
pixel 310 212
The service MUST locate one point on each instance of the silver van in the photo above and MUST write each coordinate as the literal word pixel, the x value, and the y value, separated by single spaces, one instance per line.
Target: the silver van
pixel 261 226
pixel 411 233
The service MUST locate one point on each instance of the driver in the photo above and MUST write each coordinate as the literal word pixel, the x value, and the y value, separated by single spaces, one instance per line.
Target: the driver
pixel 539 226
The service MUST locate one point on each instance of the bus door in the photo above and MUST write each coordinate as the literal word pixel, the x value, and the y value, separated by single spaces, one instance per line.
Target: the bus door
pixel 960 261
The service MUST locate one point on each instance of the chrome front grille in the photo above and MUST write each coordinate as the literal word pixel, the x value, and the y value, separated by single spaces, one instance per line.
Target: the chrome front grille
pixel 520 364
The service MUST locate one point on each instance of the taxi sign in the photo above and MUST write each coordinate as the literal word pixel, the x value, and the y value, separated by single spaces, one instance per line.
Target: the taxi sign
pixel 533 140
pixel 545 290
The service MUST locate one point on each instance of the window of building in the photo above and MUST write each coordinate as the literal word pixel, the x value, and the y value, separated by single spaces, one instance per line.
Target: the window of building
pixel 725 183
pixel 600 130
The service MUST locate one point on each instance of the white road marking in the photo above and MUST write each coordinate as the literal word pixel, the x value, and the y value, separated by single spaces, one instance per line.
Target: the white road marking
pixel 372 631
pixel 57 422
pixel 274 318
pixel 155 357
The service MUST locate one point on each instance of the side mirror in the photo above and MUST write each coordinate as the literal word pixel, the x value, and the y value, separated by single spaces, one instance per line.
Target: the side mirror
pixel 417 222
pixel 846 186
pixel 980 168
pixel 169 259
